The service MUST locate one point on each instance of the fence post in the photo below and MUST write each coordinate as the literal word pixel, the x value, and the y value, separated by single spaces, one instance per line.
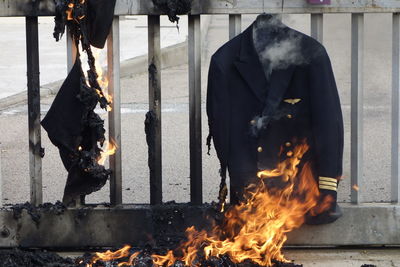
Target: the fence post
pixel 317 27
pixel 357 59
pixel 395 184
pixel 154 61
pixel 1 180
pixel 235 25
pixel 114 116
pixel 196 183
pixel 35 146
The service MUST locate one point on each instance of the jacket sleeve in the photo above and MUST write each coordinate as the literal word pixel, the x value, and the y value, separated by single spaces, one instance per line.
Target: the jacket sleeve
pixel 218 110
pixel 326 120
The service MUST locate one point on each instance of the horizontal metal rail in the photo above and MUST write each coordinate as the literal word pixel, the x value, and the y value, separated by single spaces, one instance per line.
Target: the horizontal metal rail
pixel 10 8
pixel 365 225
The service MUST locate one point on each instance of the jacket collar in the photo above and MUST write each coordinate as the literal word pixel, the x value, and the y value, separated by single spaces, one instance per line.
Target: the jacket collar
pixel 250 67
pixel 252 71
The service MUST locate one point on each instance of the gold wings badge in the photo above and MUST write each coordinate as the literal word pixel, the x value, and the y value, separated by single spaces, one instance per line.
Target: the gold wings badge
pixel 292 100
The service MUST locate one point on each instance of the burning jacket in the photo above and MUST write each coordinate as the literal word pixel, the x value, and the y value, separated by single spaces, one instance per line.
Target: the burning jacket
pixel 269 89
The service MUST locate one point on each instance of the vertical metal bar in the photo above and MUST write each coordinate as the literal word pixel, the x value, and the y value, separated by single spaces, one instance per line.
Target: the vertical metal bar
pixel 357 56
pixel 114 116
pixel 35 147
pixel 317 27
pixel 71 51
pixel 235 25
pixel 155 160
pixel 395 181
pixel 196 183
pixel 1 181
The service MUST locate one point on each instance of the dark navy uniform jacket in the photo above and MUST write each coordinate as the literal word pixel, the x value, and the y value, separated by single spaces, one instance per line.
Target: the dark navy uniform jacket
pixel 306 100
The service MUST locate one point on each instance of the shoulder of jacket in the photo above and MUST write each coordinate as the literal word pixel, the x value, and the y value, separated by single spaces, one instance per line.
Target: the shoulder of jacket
pixel 311 48
pixel 228 52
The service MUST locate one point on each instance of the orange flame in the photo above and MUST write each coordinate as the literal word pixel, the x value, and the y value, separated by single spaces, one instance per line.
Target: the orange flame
pixel 109 255
pixel 69 11
pixel 101 78
pixel 111 148
pixel 356 187
pixel 256 228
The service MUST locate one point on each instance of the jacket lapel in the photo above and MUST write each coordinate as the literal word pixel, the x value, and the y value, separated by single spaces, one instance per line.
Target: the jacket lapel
pixel 279 83
pixel 249 66
pixel 252 70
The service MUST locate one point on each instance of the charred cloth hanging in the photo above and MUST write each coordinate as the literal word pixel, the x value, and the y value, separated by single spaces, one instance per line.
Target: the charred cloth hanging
pixel 72 123
pixel 173 8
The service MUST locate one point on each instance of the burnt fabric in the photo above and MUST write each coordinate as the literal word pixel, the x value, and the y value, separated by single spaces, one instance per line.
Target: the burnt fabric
pixel 173 8
pixel 63 121
pixel 75 129
pixel 95 18
pixel 270 89
pixel 72 123
pixel 99 18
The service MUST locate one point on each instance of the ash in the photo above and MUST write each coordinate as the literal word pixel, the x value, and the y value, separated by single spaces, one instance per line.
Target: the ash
pixel 27 258
pixel 35 211
pixel 144 259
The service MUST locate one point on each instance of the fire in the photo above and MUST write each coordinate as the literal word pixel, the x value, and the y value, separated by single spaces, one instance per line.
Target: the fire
pixel 111 148
pixel 257 228
pixel 109 255
pixel 69 11
pixel 101 78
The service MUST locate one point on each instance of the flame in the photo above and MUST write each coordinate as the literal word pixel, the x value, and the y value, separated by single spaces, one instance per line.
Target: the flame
pixel 101 78
pixel 69 11
pixel 257 228
pixel 111 148
pixel 109 255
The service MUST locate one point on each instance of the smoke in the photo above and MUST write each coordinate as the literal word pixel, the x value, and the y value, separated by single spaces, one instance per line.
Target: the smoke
pixel 278 47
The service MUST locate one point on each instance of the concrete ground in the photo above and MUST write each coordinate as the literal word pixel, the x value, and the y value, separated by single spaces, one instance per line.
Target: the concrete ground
pixel 344 257
pixel 375 186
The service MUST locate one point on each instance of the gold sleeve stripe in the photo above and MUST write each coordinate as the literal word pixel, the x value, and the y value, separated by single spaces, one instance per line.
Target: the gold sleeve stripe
pixel 327 179
pixel 333 188
pixel 327 183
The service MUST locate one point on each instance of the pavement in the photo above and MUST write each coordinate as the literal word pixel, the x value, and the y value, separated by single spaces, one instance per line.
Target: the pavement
pixel 375 186
pixel 388 257
pixel 53 55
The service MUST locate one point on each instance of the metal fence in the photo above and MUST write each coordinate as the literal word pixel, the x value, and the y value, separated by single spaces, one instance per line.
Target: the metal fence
pixel 31 9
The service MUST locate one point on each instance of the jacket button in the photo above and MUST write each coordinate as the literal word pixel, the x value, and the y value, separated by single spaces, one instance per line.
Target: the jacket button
pixel 260 149
pixel 288 144
pixel 289 154
pixel 289 116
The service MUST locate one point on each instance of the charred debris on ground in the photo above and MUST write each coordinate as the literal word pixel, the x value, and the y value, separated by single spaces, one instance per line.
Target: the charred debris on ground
pixel 42 258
